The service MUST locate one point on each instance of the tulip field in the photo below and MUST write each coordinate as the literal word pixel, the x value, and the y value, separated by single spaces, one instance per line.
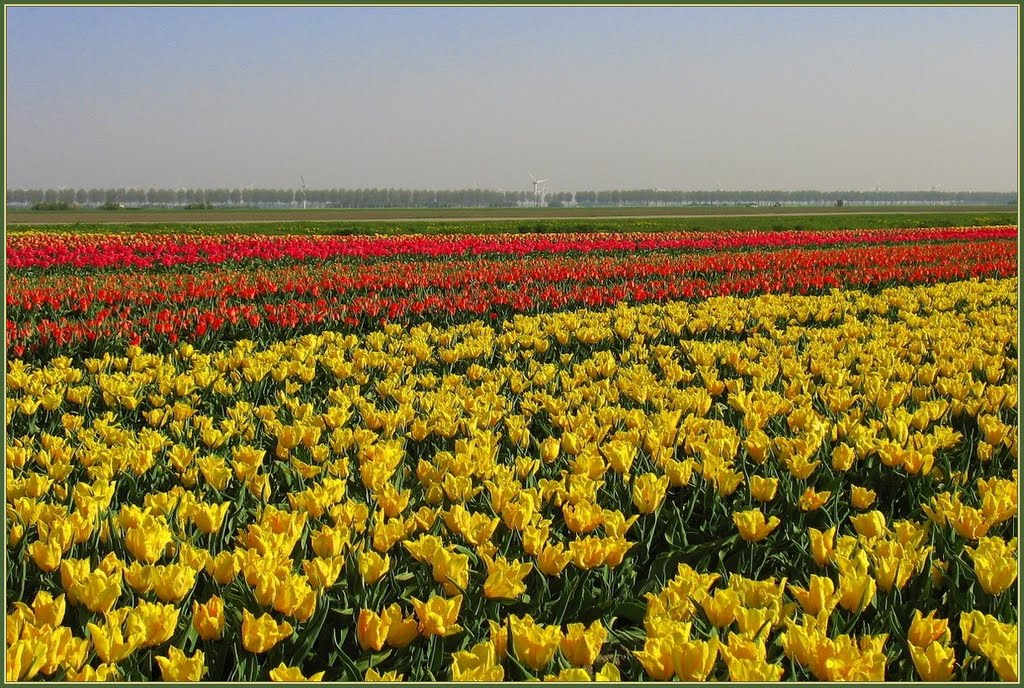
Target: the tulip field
pixel 727 456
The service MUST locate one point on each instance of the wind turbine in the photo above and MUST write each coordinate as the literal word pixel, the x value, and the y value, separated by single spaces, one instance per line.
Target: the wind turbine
pixel 303 180
pixel 536 186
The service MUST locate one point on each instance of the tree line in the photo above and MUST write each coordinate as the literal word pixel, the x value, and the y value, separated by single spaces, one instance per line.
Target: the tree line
pixel 475 198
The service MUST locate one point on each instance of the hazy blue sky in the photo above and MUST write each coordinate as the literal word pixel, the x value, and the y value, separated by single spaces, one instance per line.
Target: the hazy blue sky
pixel 679 98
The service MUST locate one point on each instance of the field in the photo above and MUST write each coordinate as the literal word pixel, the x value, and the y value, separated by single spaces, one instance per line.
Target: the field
pixel 500 221
pixel 678 451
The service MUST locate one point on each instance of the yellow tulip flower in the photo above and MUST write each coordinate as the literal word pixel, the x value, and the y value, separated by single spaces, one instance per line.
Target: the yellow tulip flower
pixel 581 646
pixel 402 630
pixel 505 578
pixel 261 634
pixel 811 500
pixel 176 666
pixel 372 629
pixel 934 662
pixel 209 618
pixel 534 644
pixel 479 663
pixel 763 489
pixel 388 676
pixel 284 673
pixel 870 525
pixel 437 616
pixel 995 563
pixel 372 566
pixel 752 525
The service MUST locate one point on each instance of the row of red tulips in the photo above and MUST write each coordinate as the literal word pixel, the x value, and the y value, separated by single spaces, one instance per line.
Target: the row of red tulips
pixel 276 305
pixel 61 293
pixel 147 251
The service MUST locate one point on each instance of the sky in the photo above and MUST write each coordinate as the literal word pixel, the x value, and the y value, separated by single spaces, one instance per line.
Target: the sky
pixel 456 97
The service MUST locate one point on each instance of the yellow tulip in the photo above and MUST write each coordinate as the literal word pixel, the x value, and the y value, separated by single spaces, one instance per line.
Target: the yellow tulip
pixel 110 641
pixel 746 660
pixel 209 618
pixel 479 663
pixel 649 492
pixel 999 644
pixel 721 607
pixel 223 568
pixel 59 643
pixel 98 591
pixel 995 563
pixel 582 646
pixel 758 446
pixel 570 444
pixel 388 676
pixel 843 457
pixel 657 658
pixel 752 525
pixel 372 629
pixel 176 666
pixel 209 517
pixel 893 565
pixel 856 591
pixel 553 559
pixel 477 528
pixel 451 570
pixel 870 525
pixel 763 489
pixel 811 500
pixel 505 578
pixel 287 674
pixel 925 630
pixel 534 644
pixel 499 639
pixel 822 545
pixel 583 517
pixel 323 573
pixel 820 596
pixel 968 522
pixel 754 621
pixel 693 660
pixel 616 524
pixel 24 659
pixel 104 672
pixel 934 662
pixel 148 541
pixel 46 554
pixel 587 553
pixel 861 497
pixel 437 616
pixel 549 449
pixel 173 582
pixel 402 630
pixel 156 622
pixel 615 550
pixel 14 535
pixel 373 566
pixel 620 455
pixel 536 536
pixel 47 609
pixel 262 634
